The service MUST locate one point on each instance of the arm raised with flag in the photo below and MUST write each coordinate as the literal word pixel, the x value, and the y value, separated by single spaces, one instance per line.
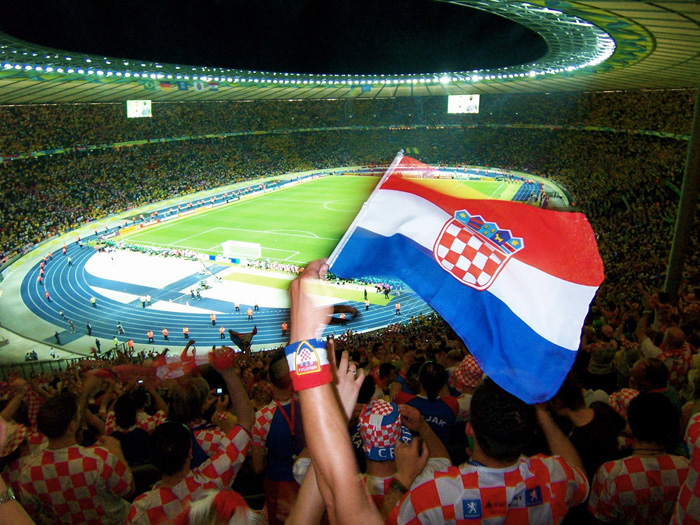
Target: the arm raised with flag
pixel 325 424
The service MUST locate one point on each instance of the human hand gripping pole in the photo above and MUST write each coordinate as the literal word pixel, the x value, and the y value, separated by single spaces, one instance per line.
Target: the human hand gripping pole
pixel 307 357
pixel 325 424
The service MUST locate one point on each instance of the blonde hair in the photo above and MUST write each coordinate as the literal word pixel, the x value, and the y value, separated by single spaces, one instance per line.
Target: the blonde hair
pixel 187 398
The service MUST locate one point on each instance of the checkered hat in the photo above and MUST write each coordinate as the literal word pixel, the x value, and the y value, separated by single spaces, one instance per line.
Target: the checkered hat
pixel 468 374
pixel 380 427
pixel 620 400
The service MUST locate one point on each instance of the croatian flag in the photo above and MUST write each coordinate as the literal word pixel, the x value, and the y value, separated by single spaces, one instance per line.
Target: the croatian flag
pixel 514 281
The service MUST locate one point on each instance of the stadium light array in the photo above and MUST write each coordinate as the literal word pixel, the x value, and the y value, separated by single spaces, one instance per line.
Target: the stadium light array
pixel 573 42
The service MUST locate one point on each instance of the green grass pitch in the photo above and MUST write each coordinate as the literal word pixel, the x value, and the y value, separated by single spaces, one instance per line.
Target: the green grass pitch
pixel 294 225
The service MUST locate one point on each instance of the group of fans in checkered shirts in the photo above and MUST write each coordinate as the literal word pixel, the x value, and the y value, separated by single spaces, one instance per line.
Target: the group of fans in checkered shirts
pixel 398 427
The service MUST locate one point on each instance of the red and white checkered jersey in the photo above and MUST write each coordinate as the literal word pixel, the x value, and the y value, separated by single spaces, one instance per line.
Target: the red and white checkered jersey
pixel 377 486
pixel 602 355
pixel 143 421
pixel 210 438
pixel 164 504
pixel 678 363
pixel 263 420
pixel 688 503
pixel 76 485
pixel 637 490
pixel 538 489
pixel 620 400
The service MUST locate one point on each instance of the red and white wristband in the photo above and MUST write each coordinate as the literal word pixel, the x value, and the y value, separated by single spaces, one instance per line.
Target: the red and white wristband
pixel 308 364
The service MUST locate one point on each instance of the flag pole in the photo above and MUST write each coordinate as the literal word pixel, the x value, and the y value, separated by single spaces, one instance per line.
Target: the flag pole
pixel 339 247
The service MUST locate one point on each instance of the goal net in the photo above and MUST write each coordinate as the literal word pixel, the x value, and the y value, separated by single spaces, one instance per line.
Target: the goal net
pixel 241 250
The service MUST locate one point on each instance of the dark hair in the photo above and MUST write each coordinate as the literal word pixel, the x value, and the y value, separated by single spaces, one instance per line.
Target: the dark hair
pixel 412 375
pixel 432 377
pixel 414 368
pixel 385 370
pixel 571 393
pixel 56 414
pixel 649 374
pixel 279 370
pixel 652 417
pixel 125 411
pixel 366 390
pixel 169 447
pixel 503 424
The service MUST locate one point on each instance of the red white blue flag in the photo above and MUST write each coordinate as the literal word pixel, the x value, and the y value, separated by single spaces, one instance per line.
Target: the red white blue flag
pixel 514 281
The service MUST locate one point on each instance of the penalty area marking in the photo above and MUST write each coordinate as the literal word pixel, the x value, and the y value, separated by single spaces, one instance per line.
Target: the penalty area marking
pixel 308 234
pixel 288 258
pixel 168 245
pixel 289 233
pixel 292 252
pixel 199 234
pixel 328 206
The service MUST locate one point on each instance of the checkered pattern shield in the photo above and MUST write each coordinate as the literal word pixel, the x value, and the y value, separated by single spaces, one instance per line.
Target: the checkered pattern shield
pixel 307 360
pixel 470 257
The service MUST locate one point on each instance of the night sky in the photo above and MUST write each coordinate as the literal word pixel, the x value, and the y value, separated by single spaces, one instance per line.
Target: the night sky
pixel 300 36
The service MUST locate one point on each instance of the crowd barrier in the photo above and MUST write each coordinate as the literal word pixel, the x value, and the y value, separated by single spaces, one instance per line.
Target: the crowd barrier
pixel 27 369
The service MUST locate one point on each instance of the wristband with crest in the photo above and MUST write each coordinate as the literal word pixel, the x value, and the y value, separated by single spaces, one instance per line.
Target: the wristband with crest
pixel 308 364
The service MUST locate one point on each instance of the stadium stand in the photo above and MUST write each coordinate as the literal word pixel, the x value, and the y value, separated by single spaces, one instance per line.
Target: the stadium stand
pixel 620 155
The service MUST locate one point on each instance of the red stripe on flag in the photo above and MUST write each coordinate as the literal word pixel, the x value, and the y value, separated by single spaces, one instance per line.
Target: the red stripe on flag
pixel 559 243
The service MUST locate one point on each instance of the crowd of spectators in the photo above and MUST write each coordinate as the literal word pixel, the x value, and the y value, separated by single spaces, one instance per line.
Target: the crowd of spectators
pixel 26 129
pixel 636 374
pixel 638 362
pixel 47 195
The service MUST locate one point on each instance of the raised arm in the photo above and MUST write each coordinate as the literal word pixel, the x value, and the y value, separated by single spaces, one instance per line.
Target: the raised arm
pixel 559 444
pixel 412 418
pixel 239 397
pixel 348 381
pixel 108 398
pixel 19 388
pixel 160 403
pixel 325 424
pixel 12 512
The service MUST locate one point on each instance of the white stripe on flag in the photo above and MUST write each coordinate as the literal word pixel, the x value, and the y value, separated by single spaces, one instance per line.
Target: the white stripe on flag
pixel 393 212
pixel 544 315
pixel 539 295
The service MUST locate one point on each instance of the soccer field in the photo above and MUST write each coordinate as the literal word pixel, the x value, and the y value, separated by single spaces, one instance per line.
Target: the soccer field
pixel 294 225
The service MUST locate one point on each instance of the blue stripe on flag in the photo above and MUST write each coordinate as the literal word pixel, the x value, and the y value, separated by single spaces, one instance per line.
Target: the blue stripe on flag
pixel 507 349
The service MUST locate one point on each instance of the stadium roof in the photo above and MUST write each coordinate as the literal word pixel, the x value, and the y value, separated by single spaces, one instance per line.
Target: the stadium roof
pixel 617 45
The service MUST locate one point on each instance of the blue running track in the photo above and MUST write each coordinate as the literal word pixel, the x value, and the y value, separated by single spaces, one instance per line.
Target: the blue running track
pixel 70 289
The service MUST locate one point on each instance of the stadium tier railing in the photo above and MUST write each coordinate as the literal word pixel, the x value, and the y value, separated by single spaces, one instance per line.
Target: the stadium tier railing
pixel 26 369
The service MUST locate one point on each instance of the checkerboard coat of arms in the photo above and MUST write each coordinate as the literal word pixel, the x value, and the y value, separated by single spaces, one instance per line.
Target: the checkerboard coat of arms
pixel 474 250
pixel 307 360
